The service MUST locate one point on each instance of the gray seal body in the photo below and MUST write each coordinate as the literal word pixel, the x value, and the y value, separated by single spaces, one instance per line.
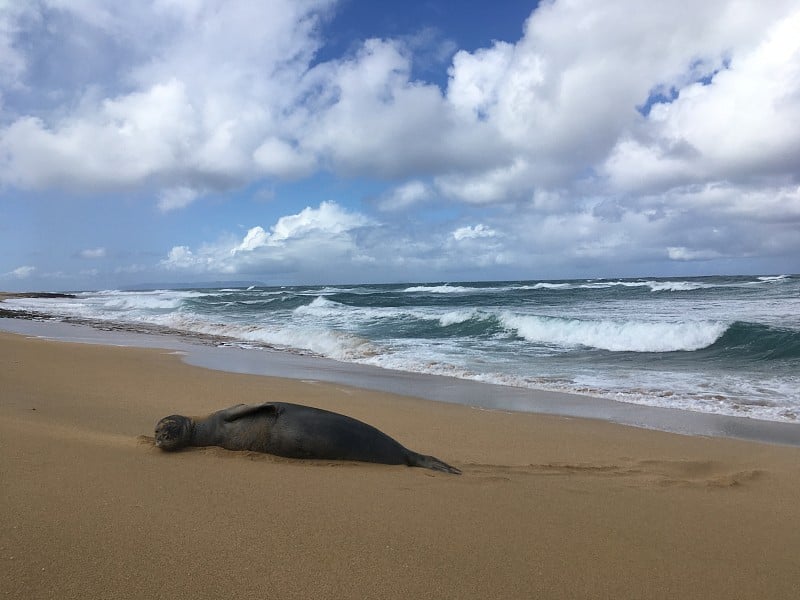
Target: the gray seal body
pixel 293 431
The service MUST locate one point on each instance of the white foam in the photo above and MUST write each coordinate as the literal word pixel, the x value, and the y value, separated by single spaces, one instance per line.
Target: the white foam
pixel 111 304
pixel 455 317
pixel 595 285
pixel 342 290
pixel 323 309
pixel 441 289
pixel 732 395
pixel 547 286
pixel 143 303
pixel 618 336
pixel 675 286
pixel 318 340
pixel 332 312
pixel 655 286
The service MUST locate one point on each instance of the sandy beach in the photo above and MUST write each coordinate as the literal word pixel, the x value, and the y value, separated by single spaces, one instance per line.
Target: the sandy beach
pixel 547 507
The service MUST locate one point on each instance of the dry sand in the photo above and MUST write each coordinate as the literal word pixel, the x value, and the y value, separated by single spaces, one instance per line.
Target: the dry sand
pixel 547 507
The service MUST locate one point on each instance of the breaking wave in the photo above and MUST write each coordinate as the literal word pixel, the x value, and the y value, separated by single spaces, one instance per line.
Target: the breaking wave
pixel 440 289
pixel 616 336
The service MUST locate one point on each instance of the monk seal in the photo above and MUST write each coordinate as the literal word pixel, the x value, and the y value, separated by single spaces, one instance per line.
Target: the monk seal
pixel 293 431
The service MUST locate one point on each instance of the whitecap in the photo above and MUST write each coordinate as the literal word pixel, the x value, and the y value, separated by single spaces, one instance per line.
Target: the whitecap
pixel 441 289
pixel 455 317
pixel 617 336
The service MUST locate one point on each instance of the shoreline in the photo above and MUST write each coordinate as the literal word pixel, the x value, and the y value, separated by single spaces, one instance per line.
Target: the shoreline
pixel 487 396
pixel 547 506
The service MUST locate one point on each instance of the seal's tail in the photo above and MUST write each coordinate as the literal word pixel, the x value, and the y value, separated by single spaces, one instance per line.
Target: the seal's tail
pixel 430 462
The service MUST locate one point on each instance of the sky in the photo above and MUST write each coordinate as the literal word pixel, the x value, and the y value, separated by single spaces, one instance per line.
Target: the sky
pixel 316 142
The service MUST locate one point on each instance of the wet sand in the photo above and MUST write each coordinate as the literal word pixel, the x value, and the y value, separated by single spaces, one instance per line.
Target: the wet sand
pixel 547 507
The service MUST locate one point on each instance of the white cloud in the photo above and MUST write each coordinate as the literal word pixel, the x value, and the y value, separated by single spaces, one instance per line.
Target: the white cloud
pixel 127 141
pixel 255 238
pixel 565 96
pixel 473 232
pixel 496 185
pixel 329 219
pixel 176 198
pixel 93 253
pixel 310 239
pixel 179 257
pixel 732 127
pixel 182 257
pixel 682 253
pixel 370 118
pixel 279 158
pixel 22 272
pixel 406 196
pixel 190 105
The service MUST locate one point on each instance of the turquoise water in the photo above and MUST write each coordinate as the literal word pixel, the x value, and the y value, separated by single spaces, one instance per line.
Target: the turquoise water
pixel 728 345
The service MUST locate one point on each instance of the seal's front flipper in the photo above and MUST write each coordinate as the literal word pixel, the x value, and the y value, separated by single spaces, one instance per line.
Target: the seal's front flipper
pixel 248 410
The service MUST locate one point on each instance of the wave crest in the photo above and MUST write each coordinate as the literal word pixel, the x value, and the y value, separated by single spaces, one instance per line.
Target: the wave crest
pixel 616 336
pixel 440 289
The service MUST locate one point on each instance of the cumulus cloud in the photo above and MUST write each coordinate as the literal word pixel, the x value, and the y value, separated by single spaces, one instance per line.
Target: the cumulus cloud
pixel 188 106
pixel 181 257
pixel 568 102
pixel 329 220
pixel 370 116
pixel 311 238
pixel 728 127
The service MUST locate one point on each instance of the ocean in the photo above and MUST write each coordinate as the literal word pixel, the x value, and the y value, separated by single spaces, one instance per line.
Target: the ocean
pixel 723 345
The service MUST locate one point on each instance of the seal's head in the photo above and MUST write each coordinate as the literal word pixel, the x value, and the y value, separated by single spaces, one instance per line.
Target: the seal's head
pixel 173 432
